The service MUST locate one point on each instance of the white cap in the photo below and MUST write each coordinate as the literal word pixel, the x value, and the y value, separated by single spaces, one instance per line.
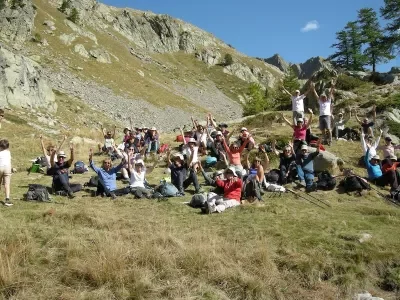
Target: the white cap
pixel 139 162
pixel 304 147
pixel 232 169
pixel 153 128
pixel 61 154
pixel 178 155
pixel 218 133
pixel 243 129
pixel 192 140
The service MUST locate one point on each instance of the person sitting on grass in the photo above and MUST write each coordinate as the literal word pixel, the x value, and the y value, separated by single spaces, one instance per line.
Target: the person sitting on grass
pixel 5 170
pixel 305 167
pixel 211 181
pixel 232 186
pixel 367 127
pixel 234 152
pixel 391 163
pixel 216 145
pixel 152 140
pixel 130 153
pixel 224 129
pixel 107 174
pixel 287 163
pixel 108 140
pixel 244 136
pixel 256 175
pixel 179 172
pixel 340 130
pixel 299 130
pixel 388 149
pixel 375 174
pixel 47 151
pixel 60 170
pixel 137 182
pixel 368 144
pixel 127 133
pixel 191 149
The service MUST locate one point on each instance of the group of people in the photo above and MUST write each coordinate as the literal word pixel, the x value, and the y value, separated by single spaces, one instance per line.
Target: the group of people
pixel 241 177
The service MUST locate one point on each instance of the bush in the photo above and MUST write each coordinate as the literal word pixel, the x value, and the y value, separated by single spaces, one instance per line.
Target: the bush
pixel 228 59
pixel 348 83
pixel 2 4
pixel 17 3
pixel 37 38
pixel 391 102
pixel 256 101
pixel 66 4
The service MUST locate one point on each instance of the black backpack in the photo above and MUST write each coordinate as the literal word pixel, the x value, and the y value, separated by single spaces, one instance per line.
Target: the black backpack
pixel 93 181
pixel 353 183
pixel 326 181
pixel 395 195
pixel 37 192
pixel 272 176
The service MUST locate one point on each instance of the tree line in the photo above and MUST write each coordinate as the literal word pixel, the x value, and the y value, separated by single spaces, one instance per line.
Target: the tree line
pixel 364 42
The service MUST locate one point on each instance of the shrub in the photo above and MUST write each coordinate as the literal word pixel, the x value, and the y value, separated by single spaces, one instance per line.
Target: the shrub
pixel 228 59
pixel 391 102
pixel 74 16
pixel 66 4
pixel 37 38
pixel 2 4
pixel 17 3
pixel 348 83
pixel 256 101
pixel 394 128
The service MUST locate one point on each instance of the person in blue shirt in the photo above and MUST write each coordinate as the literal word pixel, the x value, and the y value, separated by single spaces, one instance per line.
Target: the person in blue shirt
pixel 305 167
pixel 107 176
pixel 375 174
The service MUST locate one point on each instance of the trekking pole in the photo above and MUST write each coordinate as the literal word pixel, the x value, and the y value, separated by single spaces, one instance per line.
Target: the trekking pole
pixel 322 201
pixel 302 197
pixel 386 197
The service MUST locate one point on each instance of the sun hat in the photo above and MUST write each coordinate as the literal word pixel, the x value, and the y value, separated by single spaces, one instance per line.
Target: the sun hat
pixel 178 155
pixel 376 157
pixel 153 128
pixel 231 169
pixel 304 147
pixel 192 140
pixel 297 91
pixel 139 162
pixel 300 120
pixel 393 157
pixel 243 129
pixel 218 133
pixel 61 154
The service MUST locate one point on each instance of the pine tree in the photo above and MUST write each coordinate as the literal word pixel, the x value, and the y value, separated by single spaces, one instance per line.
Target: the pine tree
pixel 391 13
pixel 256 102
pixel 74 16
pixel 66 4
pixel 291 83
pixel 341 58
pixel 376 51
pixel 228 59
pixel 2 4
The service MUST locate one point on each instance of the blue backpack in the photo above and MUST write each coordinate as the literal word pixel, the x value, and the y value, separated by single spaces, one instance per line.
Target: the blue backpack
pixel 167 189
pixel 79 168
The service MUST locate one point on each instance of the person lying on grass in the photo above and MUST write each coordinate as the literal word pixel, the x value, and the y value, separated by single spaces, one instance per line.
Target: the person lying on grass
pixel 305 167
pixel 375 174
pixel 180 167
pixel 47 151
pixel 60 170
pixel 107 174
pixel 232 186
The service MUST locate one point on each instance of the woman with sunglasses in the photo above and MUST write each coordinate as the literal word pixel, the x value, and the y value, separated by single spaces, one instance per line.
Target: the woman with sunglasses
pixel 137 182
pixel 287 164
pixel 234 154
pixel 130 154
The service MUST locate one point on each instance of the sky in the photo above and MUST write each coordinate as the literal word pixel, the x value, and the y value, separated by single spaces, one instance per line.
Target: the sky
pixel 297 30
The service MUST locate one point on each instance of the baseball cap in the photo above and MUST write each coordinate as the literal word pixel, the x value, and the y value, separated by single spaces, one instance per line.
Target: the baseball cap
pixel 300 120
pixel 231 169
pixel 304 147
pixel 139 162
pixel 61 154
pixel 243 129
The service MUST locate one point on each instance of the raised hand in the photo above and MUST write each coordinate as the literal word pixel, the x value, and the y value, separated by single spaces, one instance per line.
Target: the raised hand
pixel 71 147
pixel 41 137
pixel 374 107
pixel 310 111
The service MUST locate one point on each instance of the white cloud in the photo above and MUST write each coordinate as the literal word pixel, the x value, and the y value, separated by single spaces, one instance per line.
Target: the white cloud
pixel 311 25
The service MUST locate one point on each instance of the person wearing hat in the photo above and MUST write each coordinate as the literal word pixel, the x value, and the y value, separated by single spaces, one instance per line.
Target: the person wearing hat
pixel 366 125
pixel 367 143
pixel 287 163
pixel 152 140
pixel 244 135
pixel 49 150
pixel 234 152
pixel 191 149
pixel 108 140
pixel 219 174
pixel 232 186
pixel 107 184
pixel 137 181
pixel 305 167
pixel 180 178
pixel 59 170
pixel 339 129
pixel 127 132
pixel 388 149
pixel 297 103
pixel 299 130
pixel 376 175
pixel 223 128
pixel 131 153
pixel 216 145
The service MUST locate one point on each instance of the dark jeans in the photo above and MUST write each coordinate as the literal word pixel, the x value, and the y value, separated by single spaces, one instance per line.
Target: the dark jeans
pixel 305 176
pixel 119 192
pixel 291 176
pixel 140 192
pixel 388 178
pixel 181 183
pixel 61 183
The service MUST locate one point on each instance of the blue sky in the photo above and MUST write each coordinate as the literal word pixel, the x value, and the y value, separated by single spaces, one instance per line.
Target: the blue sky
pixel 262 28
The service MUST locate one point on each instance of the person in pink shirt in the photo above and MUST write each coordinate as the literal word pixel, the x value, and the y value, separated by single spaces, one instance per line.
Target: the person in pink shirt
pixel 234 154
pixel 299 130
pixel 244 135
pixel 388 149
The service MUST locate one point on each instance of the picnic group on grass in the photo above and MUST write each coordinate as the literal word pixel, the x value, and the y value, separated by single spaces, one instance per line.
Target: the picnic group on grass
pixel 242 168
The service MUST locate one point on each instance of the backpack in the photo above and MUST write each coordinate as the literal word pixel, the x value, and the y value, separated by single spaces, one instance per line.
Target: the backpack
pixel 251 189
pixel 272 176
pixel 93 181
pixel 197 201
pixel 395 195
pixel 353 183
pixel 164 148
pixel 326 181
pixel 37 192
pixel 167 189
pixel 79 168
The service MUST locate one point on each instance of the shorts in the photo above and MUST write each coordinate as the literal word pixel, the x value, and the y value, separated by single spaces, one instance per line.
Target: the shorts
pixel 297 115
pixel 5 175
pixel 325 122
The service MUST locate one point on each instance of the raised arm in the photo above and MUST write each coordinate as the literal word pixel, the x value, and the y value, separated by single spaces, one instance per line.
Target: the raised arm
pixel 312 87
pixel 169 157
pixel 183 136
pixel 230 134
pixel 91 163
pixel 274 148
pixel 212 120
pixel 363 143
pixel 103 130
pixel 62 142
pixel 286 120
pixel 374 113
pixel 115 128
pixel 379 139
pixel 332 89
pixel 286 91
pixel 265 162
pixel 244 144
pixel 52 155
pixel 42 145
pixel 71 159
pixel 226 147
pixel 355 115
pixel 310 118
pixel 194 122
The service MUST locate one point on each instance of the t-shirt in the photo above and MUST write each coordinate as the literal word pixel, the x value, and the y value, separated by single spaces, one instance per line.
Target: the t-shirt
pixel 177 171
pixel 366 126
pixel 325 107
pixel 108 143
pixel 298 103
pixel 340 124
pixel 286 161
pixel 5 159
pixel 388 150
pixel 299 133
pixel 188 153
pixel 137 180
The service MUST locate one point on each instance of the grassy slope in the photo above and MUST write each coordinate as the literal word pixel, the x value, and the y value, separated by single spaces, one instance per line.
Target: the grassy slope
pixel 91 248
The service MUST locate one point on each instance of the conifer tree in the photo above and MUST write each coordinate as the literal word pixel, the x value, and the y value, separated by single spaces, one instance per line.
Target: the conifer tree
pixel 391 13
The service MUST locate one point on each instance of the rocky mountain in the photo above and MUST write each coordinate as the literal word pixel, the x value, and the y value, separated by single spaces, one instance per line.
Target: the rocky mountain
pixel 277 61
pixel 122 61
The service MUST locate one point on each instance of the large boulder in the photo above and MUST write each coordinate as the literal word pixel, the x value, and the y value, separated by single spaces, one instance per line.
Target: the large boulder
pixel 209 56
pixel 101 55
pixel 325 161
pixel 22 84
pixel 16 24
pixel 80 49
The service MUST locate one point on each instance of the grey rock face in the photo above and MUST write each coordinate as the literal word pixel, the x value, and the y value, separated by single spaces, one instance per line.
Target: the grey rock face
pixel 388 78
pixel 22 84
pixel 101 56
pixel 208 56
pixel 312 66
pixel 16 24
pixel 395 70
pixel 68 39
pixel 277 61
pixel 80 49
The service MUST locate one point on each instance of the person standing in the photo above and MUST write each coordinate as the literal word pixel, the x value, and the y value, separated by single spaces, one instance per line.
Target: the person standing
pixel 297 103
pixel 5 170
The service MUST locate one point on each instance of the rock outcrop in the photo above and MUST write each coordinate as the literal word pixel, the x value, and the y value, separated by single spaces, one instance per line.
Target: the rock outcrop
pixel 22 84
pixel 277 61
pixel 16 23
pixel 313 65
pixel 208 56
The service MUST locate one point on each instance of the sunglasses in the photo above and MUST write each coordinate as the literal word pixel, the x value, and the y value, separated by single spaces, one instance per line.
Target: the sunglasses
pixel 107 163
pixel 131 149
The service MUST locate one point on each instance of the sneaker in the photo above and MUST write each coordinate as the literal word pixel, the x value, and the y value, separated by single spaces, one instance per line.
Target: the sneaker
pixel 113 196
pixel 71 195
pixel 209 208
pixel 302 183
pixel 8 203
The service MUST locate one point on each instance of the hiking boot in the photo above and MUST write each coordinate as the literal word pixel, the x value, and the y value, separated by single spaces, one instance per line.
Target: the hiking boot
pixel 302 183
pixel 199 191
pixel 71 195
pixel 113 196
pixel 209 208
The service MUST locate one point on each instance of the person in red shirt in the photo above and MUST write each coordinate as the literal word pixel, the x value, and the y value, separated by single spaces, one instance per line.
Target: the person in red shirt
pixel 391 165
pixel 232 186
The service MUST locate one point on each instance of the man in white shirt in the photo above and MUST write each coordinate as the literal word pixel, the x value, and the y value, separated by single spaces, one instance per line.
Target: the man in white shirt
pixel 297 104
pixel 325 112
